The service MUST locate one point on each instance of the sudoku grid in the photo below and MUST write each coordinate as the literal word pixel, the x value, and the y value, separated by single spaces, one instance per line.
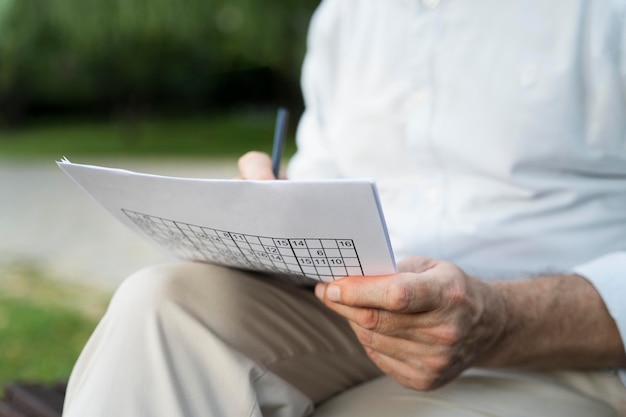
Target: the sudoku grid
pixel 322 259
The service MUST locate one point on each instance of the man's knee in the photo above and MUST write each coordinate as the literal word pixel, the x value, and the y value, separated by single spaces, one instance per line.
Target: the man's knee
pixel 146 290
pixel 222 299
pixel 150 291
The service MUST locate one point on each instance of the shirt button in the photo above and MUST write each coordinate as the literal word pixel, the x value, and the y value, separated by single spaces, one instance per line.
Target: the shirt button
pixel 433 195
pixel 529 75
pixel 419 98
pixel 431 4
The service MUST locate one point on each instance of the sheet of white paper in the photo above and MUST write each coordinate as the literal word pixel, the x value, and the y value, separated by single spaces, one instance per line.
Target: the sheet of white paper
pixel 317 229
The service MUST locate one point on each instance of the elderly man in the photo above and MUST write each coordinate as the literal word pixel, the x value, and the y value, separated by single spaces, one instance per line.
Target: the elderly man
pixel 496 132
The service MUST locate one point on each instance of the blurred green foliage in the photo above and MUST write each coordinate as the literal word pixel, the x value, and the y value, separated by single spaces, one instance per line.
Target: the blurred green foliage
pixel 125 54
pixel 215 136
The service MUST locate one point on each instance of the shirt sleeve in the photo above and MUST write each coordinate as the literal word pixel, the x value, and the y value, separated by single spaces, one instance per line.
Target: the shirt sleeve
pixel 314 158
pixel 623 50
pixel 608 276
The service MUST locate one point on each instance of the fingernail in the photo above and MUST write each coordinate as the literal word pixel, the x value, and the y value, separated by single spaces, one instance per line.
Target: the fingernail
pixel 320 289
pixel 333 293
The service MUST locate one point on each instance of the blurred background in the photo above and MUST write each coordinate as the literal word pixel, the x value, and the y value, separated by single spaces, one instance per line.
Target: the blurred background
pixel 176 88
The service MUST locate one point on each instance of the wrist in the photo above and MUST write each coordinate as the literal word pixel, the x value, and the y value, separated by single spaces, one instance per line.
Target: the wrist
pixel 507 296
pixel 496 318
pixel 552 322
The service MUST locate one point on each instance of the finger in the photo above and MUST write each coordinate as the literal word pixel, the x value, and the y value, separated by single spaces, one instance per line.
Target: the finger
pixel 399 347
pixel 320 290
pixel 255 166
pixel 411 375
pixel 401 293
pixel 416 264
pixel 434 327
pixel 387 338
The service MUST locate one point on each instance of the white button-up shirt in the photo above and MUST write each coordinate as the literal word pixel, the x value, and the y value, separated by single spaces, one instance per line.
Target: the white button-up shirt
pixel 496 130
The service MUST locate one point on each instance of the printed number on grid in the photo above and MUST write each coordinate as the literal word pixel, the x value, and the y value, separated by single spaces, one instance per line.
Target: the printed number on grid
pixel 319 258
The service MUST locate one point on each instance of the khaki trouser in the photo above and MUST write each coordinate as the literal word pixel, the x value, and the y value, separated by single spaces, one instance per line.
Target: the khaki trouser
pixel 196 340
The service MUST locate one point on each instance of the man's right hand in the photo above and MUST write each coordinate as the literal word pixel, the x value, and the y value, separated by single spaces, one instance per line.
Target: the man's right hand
pixel 255 165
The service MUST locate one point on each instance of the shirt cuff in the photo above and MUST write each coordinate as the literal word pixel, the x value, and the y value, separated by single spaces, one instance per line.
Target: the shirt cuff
pixel 608 275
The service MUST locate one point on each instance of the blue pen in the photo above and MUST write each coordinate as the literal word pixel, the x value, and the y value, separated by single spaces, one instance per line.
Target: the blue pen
pixel 280 132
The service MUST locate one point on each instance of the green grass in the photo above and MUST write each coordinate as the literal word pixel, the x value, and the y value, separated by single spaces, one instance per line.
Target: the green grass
pixel 195 136
pixel 44 324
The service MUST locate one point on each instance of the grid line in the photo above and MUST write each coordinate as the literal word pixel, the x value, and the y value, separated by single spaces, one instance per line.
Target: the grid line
pixel 319 258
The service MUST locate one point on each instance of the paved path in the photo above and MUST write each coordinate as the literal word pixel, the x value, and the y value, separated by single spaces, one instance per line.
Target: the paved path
pixel 45 218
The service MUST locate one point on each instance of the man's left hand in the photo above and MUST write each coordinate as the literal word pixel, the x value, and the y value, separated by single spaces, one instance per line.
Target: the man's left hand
pixel 424 325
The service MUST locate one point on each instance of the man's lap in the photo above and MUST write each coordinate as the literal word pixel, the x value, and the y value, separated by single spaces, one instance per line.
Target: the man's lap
pixel 484 393
pixel 477 392
pixel 289 333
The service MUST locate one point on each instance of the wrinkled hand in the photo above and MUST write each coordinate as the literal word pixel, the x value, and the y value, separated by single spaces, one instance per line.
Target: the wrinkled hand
pixel 424 325
pixel 255 165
